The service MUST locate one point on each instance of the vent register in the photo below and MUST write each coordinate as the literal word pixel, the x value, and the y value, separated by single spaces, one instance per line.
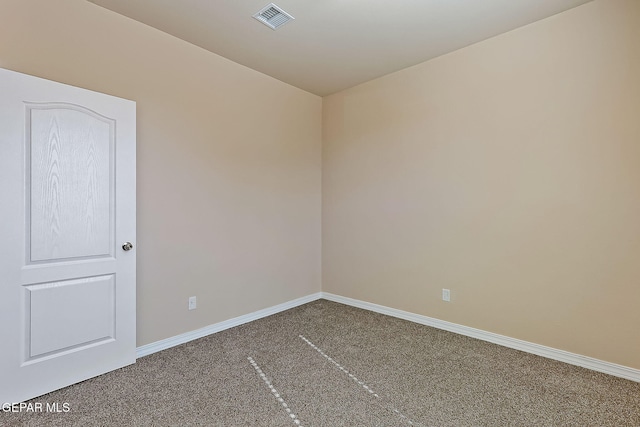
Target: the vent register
pixel 273 17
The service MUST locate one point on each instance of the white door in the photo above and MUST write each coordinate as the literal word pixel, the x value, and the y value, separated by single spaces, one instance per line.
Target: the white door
pixel 67 207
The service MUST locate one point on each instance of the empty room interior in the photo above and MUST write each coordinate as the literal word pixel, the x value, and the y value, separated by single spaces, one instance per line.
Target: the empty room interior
pixel 381 217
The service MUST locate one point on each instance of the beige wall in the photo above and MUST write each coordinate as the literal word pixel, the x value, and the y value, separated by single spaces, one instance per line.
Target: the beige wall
pixel 228 161
pixel 508 172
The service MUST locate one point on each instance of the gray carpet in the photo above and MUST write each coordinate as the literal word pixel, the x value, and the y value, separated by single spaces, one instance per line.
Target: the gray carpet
pixel 327 364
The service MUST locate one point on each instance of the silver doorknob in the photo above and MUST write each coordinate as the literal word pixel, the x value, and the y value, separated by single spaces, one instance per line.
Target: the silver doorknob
pixel 127 246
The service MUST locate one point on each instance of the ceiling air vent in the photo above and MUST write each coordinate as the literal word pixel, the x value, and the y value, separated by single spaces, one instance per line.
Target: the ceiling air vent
pixel 273 17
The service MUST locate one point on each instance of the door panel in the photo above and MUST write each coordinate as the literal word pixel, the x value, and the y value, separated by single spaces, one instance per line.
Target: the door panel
pixel 70 162
pixel 67 204
pixel 50 327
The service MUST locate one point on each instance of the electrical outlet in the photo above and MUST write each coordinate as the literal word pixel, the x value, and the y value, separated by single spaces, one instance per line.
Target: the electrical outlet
pixel 446 295
pixel 192 303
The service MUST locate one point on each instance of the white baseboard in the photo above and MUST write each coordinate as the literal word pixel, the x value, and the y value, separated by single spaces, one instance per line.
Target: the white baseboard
pixel 540 350
pixel 221 326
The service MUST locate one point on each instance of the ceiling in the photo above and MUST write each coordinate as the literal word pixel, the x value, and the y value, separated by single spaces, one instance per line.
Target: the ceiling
pixel 336 44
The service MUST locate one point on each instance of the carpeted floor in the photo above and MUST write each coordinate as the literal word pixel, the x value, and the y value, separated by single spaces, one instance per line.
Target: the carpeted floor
pixel 327 364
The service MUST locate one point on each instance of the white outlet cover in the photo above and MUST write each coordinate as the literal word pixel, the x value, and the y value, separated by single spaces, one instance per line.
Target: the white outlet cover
pixel 446 295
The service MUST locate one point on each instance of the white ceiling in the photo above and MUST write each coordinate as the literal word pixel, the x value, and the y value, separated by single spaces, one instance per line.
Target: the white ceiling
pixel 335 44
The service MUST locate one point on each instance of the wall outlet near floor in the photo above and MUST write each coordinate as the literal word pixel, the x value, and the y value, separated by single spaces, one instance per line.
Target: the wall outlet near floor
pixel 192 303
pixel 446 295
